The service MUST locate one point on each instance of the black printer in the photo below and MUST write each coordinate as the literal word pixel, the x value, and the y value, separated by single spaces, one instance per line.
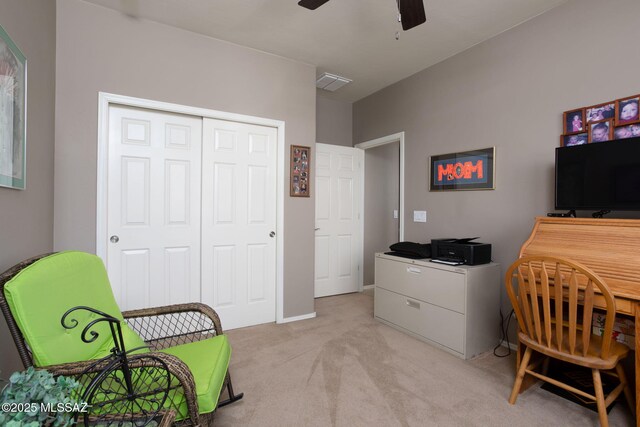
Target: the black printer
pixel 460 251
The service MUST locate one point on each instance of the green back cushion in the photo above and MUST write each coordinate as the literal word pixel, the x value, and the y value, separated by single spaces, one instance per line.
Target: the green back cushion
pixel 41 293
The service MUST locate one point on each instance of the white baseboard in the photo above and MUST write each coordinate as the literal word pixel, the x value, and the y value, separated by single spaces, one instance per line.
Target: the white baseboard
pixel 513 346
pixel 367 287
pixel 296 318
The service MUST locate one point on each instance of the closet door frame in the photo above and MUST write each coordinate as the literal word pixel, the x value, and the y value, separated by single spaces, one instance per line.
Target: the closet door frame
pixel 107 99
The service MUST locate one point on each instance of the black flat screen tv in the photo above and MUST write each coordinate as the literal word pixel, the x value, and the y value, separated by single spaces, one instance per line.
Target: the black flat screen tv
pixel 603 175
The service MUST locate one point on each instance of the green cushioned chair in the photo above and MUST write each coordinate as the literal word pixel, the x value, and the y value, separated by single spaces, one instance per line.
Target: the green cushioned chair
pixel 177 356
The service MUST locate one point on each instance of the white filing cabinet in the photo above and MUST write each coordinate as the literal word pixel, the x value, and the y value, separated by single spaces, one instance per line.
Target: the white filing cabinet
pixel 453 307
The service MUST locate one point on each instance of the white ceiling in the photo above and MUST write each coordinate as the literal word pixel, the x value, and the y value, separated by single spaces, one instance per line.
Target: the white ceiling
pixel 351 38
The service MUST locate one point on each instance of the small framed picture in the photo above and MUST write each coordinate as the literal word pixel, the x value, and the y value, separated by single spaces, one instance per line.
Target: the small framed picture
pixel 627 131
pixel 576 139
pixel 300 161
pixel 601 131
pixel 598 113
pixel 574 121
pixel 627 110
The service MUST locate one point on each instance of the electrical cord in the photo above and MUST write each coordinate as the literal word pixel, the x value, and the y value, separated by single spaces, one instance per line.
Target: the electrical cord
pixel 504 331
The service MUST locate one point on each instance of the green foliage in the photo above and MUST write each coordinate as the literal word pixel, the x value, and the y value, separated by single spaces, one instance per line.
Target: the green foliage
pixel 36 386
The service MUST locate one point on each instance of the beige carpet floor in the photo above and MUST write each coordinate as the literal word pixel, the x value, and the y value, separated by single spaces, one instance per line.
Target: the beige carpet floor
pixel 343 368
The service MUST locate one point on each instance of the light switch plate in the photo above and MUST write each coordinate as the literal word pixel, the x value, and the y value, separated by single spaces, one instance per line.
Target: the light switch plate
pixel 419 216
pixel 395 214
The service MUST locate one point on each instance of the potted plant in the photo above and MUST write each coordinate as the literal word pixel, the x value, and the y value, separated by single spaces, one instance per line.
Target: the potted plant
pixel 35 397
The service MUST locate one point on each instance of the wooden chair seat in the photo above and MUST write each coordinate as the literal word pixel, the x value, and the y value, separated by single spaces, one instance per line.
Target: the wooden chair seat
pixel 593 357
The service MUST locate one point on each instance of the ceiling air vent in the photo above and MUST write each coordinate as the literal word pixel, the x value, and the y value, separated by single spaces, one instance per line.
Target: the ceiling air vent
pixel 331 82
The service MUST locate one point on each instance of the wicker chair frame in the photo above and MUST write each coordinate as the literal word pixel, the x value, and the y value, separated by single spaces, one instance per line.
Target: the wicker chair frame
pixel 187 322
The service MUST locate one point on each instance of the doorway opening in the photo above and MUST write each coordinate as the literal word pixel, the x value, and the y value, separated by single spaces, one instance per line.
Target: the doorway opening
pixel 382 200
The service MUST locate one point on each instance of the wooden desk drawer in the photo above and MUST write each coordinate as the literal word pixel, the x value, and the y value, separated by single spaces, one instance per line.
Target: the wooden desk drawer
pixel 445 327
pixel 442 288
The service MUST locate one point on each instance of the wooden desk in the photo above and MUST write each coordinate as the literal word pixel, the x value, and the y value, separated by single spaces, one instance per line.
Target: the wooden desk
pixel 610 247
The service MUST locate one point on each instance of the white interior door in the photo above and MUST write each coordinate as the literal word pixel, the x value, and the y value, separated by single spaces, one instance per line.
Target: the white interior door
pixel 337 241
pixel 153 215
pixel 239 221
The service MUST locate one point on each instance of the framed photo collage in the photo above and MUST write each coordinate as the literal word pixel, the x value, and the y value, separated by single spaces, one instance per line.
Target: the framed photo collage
pixel 609 121
pixel 300 171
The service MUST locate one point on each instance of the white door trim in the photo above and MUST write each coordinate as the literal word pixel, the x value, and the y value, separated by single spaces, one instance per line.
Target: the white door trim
pixel 105 99
pixel 396 137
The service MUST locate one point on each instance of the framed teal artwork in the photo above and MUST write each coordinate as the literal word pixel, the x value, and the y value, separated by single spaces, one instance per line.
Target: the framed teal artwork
pixel 13 114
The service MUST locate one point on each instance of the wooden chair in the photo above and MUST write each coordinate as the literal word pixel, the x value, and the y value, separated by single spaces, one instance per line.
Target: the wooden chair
pixel 550 323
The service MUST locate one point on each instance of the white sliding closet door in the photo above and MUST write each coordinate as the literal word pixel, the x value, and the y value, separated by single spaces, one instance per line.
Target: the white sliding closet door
pixel 153 219
pixel 239 222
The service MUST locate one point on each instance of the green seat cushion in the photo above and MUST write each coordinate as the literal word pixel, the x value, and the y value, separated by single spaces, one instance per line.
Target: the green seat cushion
pixel 208 361
pixel 41 293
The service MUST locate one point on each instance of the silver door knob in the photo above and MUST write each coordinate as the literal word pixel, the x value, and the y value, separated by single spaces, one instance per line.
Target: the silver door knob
pixel 316 229
pixel 272 234
pixel 114 239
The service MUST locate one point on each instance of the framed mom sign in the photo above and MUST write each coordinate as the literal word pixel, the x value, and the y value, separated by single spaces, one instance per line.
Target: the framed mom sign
pixel 466 170
pixel 13 90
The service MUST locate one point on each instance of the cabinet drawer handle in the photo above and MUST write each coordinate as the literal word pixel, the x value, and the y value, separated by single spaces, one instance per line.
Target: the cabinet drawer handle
pixel 414 270
pixel 413 304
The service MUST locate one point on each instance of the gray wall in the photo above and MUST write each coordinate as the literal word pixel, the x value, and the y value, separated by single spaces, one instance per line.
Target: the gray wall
pixel 103 50
pixel 26 228
pixel 334 121
pixel 508 92
pixel 381 197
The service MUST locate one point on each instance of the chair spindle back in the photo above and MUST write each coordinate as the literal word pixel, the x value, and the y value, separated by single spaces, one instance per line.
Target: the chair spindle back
pixel 541 279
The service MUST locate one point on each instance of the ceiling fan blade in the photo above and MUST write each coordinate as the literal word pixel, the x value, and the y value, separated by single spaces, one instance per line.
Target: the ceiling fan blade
pixel 312 4
pixel 411 13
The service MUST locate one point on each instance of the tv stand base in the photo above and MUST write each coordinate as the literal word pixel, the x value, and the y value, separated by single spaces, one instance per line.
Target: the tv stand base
pixel 570 214
pixel 600 213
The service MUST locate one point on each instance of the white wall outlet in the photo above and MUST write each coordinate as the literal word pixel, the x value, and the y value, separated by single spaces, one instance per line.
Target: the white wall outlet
pixel 395 214
pixel 419 216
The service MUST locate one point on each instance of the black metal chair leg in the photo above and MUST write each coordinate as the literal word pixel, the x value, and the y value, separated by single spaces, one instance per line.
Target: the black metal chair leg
pixel 232 396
